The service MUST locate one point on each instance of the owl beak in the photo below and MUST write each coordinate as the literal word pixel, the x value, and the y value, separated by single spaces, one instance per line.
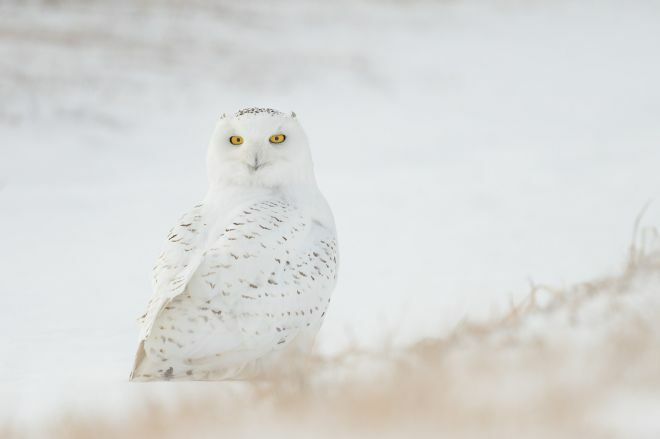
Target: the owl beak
pixel 256 165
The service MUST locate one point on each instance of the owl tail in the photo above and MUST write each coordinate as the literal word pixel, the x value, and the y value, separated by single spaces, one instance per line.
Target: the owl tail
pixel 139 372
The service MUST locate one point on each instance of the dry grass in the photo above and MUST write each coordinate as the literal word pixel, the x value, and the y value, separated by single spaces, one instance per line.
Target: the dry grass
pixel 577 362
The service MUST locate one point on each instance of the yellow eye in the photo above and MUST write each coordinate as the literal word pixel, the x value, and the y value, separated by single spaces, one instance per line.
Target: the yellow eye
pixel 236 140
pixel 277 138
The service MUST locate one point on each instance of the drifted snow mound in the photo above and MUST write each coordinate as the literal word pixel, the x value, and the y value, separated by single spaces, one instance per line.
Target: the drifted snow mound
pixel 582 361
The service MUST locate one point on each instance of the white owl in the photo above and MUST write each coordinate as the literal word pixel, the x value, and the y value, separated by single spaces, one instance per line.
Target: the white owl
pixel 246 275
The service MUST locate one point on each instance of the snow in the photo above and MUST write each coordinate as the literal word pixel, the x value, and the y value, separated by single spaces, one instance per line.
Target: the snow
pixel 466 147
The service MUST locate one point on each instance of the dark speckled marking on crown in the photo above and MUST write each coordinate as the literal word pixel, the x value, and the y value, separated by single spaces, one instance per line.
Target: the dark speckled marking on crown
pixel 255 110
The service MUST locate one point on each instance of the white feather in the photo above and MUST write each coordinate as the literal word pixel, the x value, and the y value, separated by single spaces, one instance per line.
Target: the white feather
pixel 248 272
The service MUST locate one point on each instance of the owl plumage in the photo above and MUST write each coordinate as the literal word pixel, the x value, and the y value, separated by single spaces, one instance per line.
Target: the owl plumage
pixel 246 275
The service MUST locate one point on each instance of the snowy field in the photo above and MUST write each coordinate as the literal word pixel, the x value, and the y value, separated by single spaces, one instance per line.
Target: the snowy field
pixel 467 148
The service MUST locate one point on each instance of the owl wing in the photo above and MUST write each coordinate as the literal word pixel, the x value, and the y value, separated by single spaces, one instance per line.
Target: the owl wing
pixel 270 273
pixel 176 264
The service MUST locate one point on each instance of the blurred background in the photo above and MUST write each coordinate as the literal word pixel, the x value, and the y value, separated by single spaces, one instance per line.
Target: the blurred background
pixel 467 148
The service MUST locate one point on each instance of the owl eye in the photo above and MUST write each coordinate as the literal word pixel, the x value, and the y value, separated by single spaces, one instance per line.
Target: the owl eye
pixel 277 138
pixel 236 140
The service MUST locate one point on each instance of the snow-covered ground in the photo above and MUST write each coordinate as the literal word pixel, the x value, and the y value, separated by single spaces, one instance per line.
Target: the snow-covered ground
pixel 466 147
pixel 580 362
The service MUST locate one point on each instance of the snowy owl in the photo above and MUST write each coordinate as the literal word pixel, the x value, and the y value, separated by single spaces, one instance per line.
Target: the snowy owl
pixel 246 276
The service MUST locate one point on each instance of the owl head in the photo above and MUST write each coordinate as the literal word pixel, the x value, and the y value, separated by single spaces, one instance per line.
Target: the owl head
pixel 259 147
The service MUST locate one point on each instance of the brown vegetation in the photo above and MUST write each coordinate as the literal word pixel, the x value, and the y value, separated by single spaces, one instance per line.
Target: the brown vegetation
pixel 577 362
